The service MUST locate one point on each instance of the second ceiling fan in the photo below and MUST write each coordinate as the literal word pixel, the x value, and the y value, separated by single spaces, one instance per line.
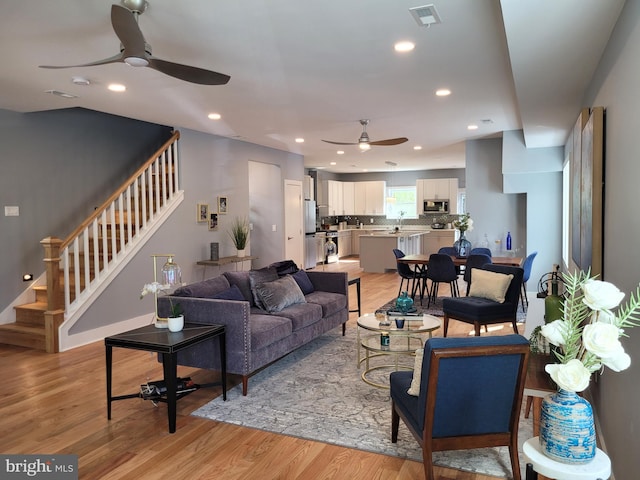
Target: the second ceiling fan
pixel 364 143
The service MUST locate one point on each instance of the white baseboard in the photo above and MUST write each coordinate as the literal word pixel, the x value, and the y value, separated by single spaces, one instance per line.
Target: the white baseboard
pixel 98 334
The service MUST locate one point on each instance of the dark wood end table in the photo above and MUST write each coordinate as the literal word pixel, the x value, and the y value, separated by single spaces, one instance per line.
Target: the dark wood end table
pixel 168 344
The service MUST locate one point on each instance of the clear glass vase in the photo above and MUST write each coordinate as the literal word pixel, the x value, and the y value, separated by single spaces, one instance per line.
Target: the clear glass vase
pixel 462 246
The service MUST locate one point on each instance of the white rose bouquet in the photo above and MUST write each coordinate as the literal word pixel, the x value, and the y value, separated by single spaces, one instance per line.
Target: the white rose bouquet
pixel 463 223
pixel 588 335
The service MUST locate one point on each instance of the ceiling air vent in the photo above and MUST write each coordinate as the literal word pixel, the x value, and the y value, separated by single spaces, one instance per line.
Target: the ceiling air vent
pixel 61 94
pixel 425 15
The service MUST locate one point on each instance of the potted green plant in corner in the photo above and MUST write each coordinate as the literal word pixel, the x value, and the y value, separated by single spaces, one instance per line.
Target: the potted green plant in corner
pixel 239 234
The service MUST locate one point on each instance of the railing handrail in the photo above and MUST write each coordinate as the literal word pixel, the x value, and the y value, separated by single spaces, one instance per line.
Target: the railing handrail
pixel 107 203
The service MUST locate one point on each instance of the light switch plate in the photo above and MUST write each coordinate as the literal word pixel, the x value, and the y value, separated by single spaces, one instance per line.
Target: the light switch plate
pixel 11 211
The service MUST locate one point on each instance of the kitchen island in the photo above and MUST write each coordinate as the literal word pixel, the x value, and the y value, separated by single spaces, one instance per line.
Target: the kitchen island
pixel 376 249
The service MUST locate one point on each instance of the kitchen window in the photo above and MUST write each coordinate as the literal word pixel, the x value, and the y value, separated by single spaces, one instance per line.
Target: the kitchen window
pixel 401 199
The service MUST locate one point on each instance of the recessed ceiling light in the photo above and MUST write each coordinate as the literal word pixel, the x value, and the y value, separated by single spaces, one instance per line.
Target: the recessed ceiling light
pixel 417 147
pixel 116 87
pixel 443 92
pixel 299 140
pixel 214 116
pixel 404 46
pixel 472 127
pixel 333 163
pixel 340 152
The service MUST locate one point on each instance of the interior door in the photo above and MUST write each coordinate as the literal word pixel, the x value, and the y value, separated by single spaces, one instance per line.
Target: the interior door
pixel 293 222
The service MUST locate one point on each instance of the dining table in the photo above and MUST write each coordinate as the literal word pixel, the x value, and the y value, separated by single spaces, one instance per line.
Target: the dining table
pixel 421 262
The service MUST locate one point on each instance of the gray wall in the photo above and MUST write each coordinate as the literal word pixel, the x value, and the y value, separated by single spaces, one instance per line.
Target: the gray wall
pixel 400 178
pixel 57 166
pixel 210 166
pixel 493 212
pixel 615 87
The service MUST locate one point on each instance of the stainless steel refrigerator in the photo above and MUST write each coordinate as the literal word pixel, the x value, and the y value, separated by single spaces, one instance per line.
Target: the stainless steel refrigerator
pixel 309 234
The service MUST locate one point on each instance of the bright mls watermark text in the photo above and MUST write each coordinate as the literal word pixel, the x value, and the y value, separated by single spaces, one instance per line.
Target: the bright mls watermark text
pixel 51 467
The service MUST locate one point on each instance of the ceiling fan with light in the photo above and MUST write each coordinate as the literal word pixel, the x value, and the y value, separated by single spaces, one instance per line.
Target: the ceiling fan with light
pixel 365 144
pixel 135 51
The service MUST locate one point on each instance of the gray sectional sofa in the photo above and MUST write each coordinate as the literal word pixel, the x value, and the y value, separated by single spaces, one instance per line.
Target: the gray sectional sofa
pixel 267 314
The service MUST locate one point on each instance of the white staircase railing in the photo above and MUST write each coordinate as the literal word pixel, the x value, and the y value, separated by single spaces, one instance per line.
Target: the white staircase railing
pixel 93 250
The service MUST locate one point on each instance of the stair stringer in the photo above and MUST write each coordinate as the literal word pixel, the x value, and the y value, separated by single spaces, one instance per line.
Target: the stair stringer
pixel 97 287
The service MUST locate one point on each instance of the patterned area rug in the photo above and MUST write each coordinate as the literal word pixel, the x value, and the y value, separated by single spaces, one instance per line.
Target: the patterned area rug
pixel 316 393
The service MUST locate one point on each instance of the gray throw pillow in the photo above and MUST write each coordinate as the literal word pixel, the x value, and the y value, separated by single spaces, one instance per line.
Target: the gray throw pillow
pixel 256 277
pixel 279 294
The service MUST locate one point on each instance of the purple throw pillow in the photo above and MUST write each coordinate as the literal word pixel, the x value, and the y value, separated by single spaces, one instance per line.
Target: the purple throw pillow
pixel 231 293
pixel 303 281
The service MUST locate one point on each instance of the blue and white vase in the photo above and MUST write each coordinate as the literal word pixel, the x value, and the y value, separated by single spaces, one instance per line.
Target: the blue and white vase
pixel 567 430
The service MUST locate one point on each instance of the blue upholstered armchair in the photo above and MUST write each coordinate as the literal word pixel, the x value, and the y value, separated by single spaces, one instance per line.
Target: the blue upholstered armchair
pixel 482 306
pixel 470 395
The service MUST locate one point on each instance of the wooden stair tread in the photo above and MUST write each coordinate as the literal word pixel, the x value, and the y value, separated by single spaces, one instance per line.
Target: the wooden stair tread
pixel 37 306
pixel 30 330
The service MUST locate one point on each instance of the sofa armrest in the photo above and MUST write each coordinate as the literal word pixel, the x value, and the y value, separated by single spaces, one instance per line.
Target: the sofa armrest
pixel 335 282
pixel 234 315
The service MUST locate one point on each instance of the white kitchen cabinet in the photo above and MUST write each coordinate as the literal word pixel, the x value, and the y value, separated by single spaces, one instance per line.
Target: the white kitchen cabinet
pixel 435 239
pixel 344 243
pixel 360 198
pixel 320 241
pixel 348 198
pixel 369 197
pixel 437 189
pixel 334 197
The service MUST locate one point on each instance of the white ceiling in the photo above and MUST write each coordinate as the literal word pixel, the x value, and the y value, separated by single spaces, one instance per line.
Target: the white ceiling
pixel 312 69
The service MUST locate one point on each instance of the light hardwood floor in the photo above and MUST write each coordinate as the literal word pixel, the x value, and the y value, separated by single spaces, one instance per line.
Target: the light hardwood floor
pixel 55 403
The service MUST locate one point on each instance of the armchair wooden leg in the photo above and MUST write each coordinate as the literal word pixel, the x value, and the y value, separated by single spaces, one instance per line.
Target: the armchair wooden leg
pixel 395 422
pixel 476 327
pixel 515 462
pixel 428 464
pixel 445 325
pixel 527 408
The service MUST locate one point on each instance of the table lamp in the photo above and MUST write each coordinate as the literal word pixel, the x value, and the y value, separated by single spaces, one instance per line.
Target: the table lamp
pixel 170 276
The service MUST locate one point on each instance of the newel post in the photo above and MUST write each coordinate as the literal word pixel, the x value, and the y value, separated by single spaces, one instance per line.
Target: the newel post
pixel 52 268
pixel 54 316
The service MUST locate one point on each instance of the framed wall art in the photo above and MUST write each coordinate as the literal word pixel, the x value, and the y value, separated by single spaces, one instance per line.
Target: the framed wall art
pixel 213 221
pixel 222 205
pixel 202 213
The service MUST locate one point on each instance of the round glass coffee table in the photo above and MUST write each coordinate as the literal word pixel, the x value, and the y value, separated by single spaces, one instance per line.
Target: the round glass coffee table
pixel 391 341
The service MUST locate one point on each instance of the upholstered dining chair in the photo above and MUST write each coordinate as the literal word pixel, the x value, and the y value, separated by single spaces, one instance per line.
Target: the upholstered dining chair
pixel 474 260
pixel 526 266
pixel 480 251
pixel 493 298
pixel 441 270
pixel 464 393
pixel 451 251
pixel 408 274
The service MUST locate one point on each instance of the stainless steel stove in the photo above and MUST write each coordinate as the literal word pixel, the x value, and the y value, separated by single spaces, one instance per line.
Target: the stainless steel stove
pixel 331 247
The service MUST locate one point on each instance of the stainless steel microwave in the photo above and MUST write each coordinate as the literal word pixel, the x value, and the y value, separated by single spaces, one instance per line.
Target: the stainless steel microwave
pixel 436 206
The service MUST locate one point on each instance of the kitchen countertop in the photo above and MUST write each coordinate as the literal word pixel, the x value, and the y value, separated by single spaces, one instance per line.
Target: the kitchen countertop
pixel 413 229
